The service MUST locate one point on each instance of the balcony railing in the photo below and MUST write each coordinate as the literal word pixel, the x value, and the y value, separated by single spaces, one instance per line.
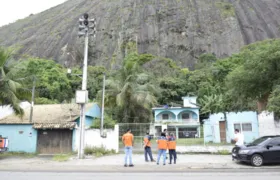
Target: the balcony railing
pixel 181 121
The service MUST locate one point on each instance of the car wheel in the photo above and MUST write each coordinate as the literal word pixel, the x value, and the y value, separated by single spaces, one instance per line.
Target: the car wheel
pixel 257 160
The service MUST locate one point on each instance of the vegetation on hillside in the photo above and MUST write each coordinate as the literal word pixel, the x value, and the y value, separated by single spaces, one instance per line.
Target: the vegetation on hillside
pixel 249 80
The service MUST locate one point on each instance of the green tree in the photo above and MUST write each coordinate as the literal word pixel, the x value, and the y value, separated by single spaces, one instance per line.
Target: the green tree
pixel 131 93
pixel 51 79
pixel 95 79
pixel 12 91
pixel 205 60
pixel 257 77
pixel 274 101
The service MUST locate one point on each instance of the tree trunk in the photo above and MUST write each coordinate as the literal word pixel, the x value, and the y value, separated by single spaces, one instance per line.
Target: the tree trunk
pixel 225 117
pixel 262 102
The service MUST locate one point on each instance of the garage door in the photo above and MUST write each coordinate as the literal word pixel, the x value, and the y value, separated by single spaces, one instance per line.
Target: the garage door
pixel 54 141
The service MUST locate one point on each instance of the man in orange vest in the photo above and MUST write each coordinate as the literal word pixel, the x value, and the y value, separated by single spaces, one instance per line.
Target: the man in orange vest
pixel 128 140
pixel 172 148
pixel 162 147
pixel 147 146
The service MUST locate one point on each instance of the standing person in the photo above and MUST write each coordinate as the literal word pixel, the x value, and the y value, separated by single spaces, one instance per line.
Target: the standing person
pixel 172 148
pixel 162 147
pixel 147 146
pixel 128 140
pixel 166 135
pixel 238 138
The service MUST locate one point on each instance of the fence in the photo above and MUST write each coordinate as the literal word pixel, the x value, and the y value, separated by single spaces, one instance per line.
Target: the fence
pixel 193 138
pixel 186 136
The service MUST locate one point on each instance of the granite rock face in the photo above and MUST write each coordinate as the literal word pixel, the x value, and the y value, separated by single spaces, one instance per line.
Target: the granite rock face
pixel 176 29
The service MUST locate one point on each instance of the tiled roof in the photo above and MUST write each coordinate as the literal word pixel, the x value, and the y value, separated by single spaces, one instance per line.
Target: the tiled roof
pixel 66 125
pixel 48 116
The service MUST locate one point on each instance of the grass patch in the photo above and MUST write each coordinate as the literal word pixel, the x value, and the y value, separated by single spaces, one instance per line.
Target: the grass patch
pixel 223 152
pixel 61 157
pixel 98 151
pixel 227 9
pixel 18 154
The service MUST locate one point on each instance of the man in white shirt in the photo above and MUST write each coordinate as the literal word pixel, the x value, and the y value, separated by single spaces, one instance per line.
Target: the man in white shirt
pixel 238 138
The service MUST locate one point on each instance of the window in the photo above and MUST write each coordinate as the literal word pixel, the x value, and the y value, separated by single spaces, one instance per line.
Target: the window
pixel 165 116
pixel 185 116
pixel 275 142
pixel 237 126
pixel 247 127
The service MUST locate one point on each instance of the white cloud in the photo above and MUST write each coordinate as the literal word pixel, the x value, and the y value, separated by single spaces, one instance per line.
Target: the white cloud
pixel 12 10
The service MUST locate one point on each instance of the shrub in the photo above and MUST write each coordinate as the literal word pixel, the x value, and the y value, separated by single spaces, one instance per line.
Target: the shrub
pixel 42 100
pixel 223 152
pixel 108 123
pixel 98 151
pixel 61 157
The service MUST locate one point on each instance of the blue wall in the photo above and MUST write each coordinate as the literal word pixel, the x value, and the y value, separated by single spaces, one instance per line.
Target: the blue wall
pixel 212 129
pixel 88 121
pixel 21 137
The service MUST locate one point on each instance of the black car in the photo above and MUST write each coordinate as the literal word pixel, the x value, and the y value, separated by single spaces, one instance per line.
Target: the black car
pixel 263 150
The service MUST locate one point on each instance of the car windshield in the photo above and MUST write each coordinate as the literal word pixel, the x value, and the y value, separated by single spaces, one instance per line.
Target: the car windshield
pixel 260 141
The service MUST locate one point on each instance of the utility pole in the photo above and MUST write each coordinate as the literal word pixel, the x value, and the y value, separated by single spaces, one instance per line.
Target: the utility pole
pixel 102 110
pixel 32 100
pixel 84 31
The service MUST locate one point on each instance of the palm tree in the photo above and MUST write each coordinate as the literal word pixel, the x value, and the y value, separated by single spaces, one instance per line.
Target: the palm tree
pixel 132 93
pixel 11 89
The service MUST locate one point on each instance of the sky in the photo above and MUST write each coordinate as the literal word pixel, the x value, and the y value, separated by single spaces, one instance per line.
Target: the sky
pixel 12 10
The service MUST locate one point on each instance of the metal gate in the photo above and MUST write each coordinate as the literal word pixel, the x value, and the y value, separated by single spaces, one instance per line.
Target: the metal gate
pixel 54 141
pixel 139 131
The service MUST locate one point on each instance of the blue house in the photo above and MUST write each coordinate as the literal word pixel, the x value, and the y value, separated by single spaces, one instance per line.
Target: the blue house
pixel 182 121
pixel 217 130
pixel 51 130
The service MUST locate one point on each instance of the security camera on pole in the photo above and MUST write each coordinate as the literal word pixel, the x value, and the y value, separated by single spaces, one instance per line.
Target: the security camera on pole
pixel 85 25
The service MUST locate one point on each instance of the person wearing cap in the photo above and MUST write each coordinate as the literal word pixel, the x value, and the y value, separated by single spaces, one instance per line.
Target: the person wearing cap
pixel 162 147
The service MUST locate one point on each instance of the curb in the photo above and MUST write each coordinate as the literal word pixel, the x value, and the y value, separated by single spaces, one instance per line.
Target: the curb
pixel 137 169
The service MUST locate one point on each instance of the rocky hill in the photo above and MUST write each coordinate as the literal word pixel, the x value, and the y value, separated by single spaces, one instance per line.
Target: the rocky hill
pixel 177 29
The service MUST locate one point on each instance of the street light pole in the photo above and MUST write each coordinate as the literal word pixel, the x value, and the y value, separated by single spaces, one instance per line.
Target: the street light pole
pixel 32 100
pixel 102 110
pixel 84 31
pixel 84 87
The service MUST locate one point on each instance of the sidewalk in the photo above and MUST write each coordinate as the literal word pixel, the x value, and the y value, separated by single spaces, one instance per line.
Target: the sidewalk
pixel 115 163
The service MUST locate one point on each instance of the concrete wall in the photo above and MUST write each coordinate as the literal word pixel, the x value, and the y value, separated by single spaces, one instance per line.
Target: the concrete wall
pixel 189 102
pixel 22 138
pixel 267 124
pixel 7 110
pixel 212 129
pixel 93 138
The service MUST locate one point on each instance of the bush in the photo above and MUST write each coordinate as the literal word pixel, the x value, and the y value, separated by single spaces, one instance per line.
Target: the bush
pixel 61 157
pixel 42 100
pixel 98 151
pixel 108 123
pixel 223 152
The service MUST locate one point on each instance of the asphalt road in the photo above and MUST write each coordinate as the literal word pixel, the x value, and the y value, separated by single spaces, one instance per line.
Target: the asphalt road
pixel 139 176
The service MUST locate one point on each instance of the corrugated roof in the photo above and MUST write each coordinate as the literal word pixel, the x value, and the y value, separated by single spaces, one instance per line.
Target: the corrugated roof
pixel 48 116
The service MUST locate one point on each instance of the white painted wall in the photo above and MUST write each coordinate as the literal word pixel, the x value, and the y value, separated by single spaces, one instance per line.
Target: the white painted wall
pixel 93 139
pixel 267 125
pixel 189 102
pixel 7 110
